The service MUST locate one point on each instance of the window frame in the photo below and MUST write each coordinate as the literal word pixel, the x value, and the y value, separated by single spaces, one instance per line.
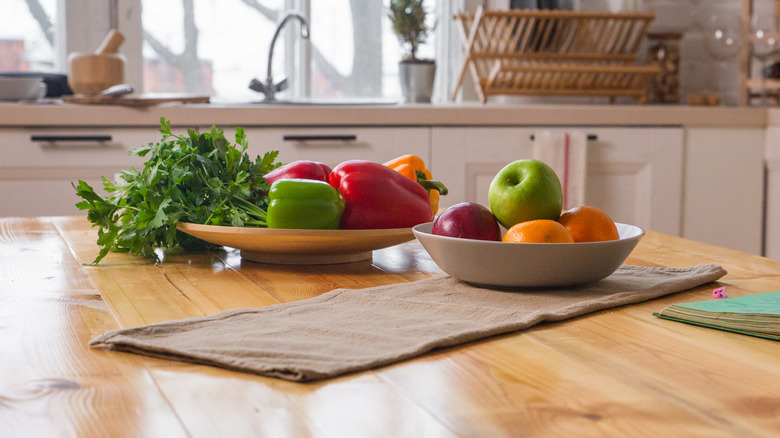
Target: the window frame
pixel 85 23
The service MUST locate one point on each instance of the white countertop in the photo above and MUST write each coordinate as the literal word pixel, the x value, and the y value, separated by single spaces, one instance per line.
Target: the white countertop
pixel 67 115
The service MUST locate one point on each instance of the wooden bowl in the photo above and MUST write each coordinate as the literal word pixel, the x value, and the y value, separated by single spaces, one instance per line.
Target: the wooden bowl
pixel 299 247
pixel 91 73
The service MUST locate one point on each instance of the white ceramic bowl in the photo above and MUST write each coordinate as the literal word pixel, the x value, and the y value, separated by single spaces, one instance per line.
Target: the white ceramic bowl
pixel 22 88
pixel 507 264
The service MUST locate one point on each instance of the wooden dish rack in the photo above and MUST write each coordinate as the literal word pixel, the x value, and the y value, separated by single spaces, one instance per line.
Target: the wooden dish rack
pixel 550 52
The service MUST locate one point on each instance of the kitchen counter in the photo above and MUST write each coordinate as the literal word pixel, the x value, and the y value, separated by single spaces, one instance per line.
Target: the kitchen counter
pixel 620 372
pixel 228 115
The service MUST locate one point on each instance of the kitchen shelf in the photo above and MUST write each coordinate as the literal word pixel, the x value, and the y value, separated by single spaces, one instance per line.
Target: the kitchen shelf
pixel 544 52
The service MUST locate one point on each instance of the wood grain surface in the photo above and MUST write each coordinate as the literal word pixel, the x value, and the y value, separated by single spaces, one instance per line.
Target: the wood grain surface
pixel 620 372
pixel 140 100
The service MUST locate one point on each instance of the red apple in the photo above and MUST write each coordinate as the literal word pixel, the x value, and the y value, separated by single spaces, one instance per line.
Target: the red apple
pixel 467 220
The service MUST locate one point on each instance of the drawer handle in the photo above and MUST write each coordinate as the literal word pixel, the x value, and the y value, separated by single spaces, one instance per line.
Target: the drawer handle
pixel 590 137
pixel 320 137
pixel 60 138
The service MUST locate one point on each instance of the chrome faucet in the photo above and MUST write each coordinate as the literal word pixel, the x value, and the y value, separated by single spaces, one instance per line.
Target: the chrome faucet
pixel 268 88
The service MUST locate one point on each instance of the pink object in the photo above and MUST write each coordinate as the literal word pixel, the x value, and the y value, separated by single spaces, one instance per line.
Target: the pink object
pixel 719 293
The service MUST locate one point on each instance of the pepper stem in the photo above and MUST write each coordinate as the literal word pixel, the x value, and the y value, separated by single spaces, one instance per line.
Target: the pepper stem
pixel 430 184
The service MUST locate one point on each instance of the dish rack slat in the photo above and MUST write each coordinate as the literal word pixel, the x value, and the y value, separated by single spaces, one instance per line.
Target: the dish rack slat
pixel 544 52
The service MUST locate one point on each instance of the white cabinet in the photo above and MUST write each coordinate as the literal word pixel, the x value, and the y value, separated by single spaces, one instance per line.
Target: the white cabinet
pixel 337 144
pixel 467 159
pixel 705 183
pixel 724 188
pixel 39 165
pixel 634 174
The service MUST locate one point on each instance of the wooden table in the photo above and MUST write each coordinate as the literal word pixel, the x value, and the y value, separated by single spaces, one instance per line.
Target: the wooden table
pixel 620 372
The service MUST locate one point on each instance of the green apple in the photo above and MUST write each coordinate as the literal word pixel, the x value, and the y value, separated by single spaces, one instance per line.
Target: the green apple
pixel 525 190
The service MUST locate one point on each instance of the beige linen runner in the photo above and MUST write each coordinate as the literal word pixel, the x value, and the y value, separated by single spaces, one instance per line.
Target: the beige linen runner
pixel 345 330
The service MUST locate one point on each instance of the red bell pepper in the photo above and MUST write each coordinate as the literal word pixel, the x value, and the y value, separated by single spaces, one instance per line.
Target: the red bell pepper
pixel 379 197
pixel 302 169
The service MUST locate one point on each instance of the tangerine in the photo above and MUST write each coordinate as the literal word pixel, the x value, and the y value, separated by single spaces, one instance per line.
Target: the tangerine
pixel 538 231
pixel 589 224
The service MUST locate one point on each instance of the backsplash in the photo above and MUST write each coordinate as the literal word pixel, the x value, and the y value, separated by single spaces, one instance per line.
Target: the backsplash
pixel 701 71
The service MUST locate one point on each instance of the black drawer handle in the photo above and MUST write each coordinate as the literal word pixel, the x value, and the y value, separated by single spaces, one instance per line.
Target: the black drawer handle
pixel 60 138
pixel 590 137
pixel 320 137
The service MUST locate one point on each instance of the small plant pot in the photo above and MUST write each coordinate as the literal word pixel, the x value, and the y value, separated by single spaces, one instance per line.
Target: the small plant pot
pixel 416 78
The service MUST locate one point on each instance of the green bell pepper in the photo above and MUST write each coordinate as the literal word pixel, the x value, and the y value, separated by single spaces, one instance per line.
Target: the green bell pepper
pixel 304 204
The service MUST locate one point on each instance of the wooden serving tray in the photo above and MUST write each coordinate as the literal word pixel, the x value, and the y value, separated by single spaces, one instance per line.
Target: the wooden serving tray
pixel 299 247
pixel 140 100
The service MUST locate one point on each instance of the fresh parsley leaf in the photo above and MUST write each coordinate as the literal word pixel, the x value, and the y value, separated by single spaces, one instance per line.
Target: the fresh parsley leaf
pixel 198 177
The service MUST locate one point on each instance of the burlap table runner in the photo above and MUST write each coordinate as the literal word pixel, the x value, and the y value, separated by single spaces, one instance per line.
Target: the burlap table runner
pixel 347 330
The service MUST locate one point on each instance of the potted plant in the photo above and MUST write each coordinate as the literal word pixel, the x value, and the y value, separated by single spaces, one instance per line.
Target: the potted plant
pixel 409 24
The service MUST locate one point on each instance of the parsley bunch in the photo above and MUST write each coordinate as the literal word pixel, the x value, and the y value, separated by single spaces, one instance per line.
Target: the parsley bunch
pixel 197 178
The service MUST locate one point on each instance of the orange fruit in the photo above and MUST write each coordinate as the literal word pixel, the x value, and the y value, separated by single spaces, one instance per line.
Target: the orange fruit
pixel 538 231
pixel 589 224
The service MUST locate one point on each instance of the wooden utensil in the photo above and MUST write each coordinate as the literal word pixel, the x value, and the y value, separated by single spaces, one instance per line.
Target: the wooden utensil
pixel 111 42
pixel 91 73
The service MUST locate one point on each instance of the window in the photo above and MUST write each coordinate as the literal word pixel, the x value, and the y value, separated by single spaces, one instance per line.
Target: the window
pixel 351 51
pixel 27 36
pixel 216 47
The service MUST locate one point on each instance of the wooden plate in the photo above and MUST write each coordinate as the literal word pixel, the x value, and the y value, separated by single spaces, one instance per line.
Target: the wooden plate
pixel 316 247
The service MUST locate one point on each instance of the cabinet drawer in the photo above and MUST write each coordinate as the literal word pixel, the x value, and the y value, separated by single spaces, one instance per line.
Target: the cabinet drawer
pixel 43 195
pixel 335 145
pixel 39 165
pixel 73 147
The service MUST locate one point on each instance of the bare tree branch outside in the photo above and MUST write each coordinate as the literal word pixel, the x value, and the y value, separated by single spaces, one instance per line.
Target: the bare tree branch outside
pixel 365 76
pixel 363 80
pixel 39 14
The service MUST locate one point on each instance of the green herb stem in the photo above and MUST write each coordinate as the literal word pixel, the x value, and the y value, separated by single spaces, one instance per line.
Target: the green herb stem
pixel 197 178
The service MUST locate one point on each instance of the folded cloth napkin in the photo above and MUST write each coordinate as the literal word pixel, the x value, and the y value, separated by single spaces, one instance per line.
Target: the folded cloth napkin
pixel 347 330
pixel 567 154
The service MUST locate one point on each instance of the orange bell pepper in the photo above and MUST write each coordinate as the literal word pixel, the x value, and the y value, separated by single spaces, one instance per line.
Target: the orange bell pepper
pixel 413 167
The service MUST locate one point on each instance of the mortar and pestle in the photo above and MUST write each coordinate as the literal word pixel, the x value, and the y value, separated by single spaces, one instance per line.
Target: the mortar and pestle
pixel 91 73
